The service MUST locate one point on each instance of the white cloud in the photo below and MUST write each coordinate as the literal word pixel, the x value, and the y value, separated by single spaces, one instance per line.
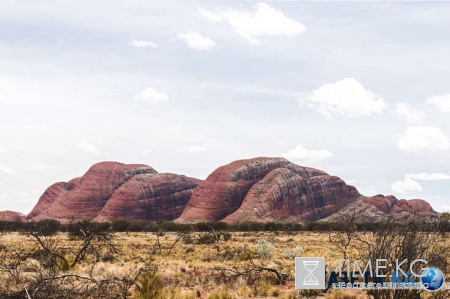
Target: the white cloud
pixel 143 44
pixel 196 41
pixel 88 147
pixel 442 102
pixel 445 209
pixel 416 139
pixel 346 97
pixel 196 149
pixel 408 185
pixel 425 176
pixel 264 20
pixel 6 170
pixel 207 15
pixel 152 96
pixel 299 153
pixel 409 114
pixel 2 149
pixel 145 152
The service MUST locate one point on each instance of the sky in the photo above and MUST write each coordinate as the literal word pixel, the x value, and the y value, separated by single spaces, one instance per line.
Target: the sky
pixel 357 89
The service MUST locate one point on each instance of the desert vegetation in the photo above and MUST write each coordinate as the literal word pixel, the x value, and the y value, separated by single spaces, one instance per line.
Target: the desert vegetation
pixel 162 259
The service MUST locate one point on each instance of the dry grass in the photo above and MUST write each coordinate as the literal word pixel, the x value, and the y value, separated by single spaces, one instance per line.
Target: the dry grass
pixel 188 271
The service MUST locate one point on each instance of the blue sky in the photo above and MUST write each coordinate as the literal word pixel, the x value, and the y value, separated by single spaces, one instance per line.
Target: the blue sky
pixel 358 89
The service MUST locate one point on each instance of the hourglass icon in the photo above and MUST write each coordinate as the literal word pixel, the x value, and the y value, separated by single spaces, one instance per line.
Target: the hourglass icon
pixel 310 273
pixel 310 279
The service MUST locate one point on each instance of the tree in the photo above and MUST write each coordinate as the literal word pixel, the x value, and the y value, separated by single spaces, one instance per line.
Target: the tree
pixel 409 240
pixel 213 237
pixel 40 265
pixel 249 268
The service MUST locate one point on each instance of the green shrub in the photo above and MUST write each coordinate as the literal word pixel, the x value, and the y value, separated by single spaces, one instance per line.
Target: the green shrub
pixel 120 225
pixel 261 288
pixel 245 254
pixel 206 239
pixel 46 227
pixel 265 249
pixel 219 295
pixel 151 286
pixel 291 253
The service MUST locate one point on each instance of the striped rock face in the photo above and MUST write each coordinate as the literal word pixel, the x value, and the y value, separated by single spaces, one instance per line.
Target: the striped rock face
pixel 266 189
pixel 259 189
pixel 136 192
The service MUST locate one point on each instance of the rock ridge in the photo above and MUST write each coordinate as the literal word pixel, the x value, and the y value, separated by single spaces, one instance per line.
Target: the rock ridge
pixel 261 189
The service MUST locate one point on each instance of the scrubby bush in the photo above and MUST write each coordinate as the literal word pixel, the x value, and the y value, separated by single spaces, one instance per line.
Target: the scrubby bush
pixel 188 239
pixel 220 295
pixel 261 288
pixel 136 226
pixel 244 254
pixel 86 227
pixel 311 294
pixel 340 295
pixel 151 286
pixel 265 249
pixel 120 225
pixel 291 253
pixel 206 239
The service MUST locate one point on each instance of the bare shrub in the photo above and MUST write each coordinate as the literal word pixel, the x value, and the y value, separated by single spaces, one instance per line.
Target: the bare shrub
pixel 44 267
pixel 414 238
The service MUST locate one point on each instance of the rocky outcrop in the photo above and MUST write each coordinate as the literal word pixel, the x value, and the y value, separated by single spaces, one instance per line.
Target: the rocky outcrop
pixel 259 189
pixel 87 196
pixel 380 207
pixel 418 207
pixel 149 197
pixel 283 195
pixel 258 179
pixel 381 202
pixel 53 194
pixel 274 189
pixel 11 216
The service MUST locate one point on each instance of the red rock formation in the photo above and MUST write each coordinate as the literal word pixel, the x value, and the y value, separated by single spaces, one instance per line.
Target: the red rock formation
pixel 149 197
pixel 86 196
pixel 223 192
pixel 274 189
pixel 53 194
pixel 383 203
pixel 11 216
pixel 380 207
pixel 259 189
pixel 416 207
pixel 283 195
